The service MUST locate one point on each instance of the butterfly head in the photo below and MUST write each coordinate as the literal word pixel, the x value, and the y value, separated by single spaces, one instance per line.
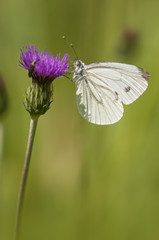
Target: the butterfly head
pixel 78 64
pixel 79 70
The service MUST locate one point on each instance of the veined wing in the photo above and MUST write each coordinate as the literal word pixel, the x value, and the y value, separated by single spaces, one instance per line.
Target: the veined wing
pixel 127 80
pixel 97 102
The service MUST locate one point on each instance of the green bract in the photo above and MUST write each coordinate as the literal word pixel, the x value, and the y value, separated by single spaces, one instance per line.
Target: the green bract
pixel 38 98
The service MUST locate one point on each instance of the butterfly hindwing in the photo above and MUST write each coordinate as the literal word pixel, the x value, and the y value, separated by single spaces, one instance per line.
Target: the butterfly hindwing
pixel 96 101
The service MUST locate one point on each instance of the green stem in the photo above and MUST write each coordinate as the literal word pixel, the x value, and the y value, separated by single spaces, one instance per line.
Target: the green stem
pixel 1 141
pixel 1 151
pixel 32 129
pixel 1 164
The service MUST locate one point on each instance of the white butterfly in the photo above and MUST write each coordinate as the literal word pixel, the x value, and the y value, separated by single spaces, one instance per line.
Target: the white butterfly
pixel 102 88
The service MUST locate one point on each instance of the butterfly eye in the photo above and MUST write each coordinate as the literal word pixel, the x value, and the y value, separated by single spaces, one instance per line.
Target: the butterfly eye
pixel 79 64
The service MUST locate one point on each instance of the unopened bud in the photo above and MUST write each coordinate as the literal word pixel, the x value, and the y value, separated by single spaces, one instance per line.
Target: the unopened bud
pixel 38 98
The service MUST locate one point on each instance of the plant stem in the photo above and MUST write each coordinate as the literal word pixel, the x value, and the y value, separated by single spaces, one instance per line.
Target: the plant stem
pixel 1 164
pixel 1 141
pixel 32 129
pixel 1 151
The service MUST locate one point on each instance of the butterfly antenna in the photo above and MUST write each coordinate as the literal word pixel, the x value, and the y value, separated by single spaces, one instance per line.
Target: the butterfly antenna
pixel 71 46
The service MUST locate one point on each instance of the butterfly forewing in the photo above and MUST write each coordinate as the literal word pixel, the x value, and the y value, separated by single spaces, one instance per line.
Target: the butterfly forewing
pixel 128 81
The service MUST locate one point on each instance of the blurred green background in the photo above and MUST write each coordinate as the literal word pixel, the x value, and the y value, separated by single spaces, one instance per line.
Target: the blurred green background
pixel 86 182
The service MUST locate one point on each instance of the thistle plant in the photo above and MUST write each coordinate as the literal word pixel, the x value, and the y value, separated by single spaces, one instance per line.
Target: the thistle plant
pixel 43 68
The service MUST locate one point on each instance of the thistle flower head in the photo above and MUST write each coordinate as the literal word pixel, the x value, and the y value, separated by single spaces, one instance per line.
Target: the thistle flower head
pixel 42 66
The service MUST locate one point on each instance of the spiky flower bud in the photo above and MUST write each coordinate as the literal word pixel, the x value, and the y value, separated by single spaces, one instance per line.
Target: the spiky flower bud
pixel 38 98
